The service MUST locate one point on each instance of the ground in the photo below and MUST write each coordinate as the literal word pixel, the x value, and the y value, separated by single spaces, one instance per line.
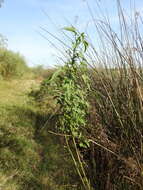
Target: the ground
pixel 29 159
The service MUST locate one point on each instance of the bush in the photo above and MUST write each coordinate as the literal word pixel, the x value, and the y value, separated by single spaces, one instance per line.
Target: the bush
pixel 11 64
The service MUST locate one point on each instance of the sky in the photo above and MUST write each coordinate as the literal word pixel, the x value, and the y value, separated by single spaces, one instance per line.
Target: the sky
pixel 21 22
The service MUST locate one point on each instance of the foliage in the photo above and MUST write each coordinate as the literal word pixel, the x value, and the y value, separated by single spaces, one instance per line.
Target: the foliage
pixel 65 93
pixel 71 90
pixel 70 86
pixel 11 64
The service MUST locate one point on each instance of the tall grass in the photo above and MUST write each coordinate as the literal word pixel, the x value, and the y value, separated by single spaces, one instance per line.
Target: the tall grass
pixel 117 100
pixel 114 159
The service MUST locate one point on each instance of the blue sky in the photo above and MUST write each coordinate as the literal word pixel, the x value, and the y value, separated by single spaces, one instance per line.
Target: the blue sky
pixel 20 22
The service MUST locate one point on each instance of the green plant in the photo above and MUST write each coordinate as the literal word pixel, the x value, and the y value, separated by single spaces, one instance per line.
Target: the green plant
pixel 11 64
pixel 70 86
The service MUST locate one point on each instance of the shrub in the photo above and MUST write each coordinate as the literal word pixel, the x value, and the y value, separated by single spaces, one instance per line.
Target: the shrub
pixel 11 64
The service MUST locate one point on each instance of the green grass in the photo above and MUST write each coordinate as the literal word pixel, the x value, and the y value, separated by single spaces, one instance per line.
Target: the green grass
pixel 18 149
pixel 30 158
pixel 14 92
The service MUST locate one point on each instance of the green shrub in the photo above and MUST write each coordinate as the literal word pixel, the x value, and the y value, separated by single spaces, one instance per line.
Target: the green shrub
pixel 11 64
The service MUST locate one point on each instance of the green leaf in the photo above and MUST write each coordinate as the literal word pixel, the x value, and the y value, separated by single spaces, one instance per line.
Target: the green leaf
pixel 82 145
pixel 85 45
pixel 70 29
